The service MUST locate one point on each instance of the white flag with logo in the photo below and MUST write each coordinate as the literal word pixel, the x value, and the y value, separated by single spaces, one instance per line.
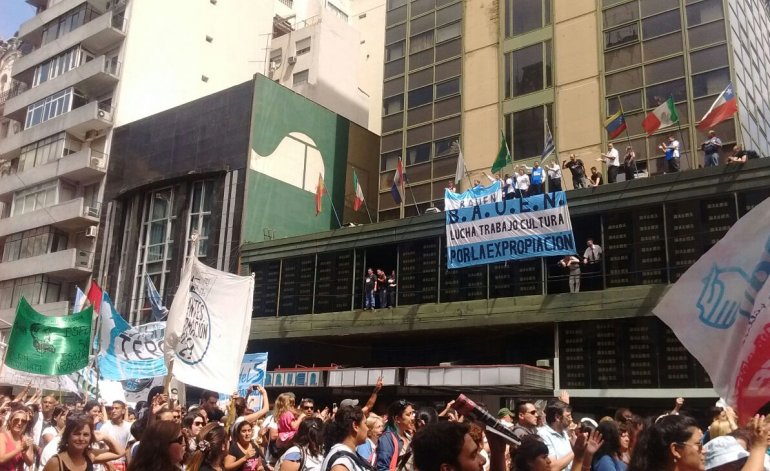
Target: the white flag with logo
pixel 720 311
pixel 208 327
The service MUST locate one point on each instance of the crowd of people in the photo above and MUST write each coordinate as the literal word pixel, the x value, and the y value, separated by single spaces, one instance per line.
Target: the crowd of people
pixel 162 435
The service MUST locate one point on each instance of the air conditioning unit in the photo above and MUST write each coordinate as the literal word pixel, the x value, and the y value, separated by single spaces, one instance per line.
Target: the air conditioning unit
pixel 101 113
pixel 93 133
pixel 292 60
pixel 92 231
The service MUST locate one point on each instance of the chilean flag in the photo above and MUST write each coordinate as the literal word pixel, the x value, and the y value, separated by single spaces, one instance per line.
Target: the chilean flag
pixel 397 190
pixel 723 108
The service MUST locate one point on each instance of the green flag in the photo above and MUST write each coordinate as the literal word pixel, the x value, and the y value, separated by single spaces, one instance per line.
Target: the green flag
pixel 503 156
pixel 48 345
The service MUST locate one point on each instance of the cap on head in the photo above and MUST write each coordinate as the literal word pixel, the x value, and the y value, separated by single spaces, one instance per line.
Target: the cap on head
pixel 504 412
pixel 723 450
pixel 348 402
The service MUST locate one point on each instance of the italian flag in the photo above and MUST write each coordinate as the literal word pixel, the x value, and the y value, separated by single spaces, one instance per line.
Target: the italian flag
pixel 661 117
pixel 359 201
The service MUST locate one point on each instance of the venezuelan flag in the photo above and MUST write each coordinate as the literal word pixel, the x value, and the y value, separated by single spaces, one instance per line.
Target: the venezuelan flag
pixel 615 124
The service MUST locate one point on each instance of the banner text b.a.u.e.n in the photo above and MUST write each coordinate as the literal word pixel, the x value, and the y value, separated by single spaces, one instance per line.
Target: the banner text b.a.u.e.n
pixel 514 229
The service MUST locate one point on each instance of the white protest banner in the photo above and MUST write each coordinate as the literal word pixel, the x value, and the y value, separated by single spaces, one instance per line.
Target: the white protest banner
pixel 473 197
pixel 9 376
pixel 515 229
pixel 719 310
pixel 208 327
pixel 137 390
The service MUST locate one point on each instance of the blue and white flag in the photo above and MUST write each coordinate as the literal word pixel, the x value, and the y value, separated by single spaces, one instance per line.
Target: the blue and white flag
pixel 129 352
pixel 80 300
pixel 515 229
pixel 253 372
pixel 548 146
pixel 473 197
pixel 159 311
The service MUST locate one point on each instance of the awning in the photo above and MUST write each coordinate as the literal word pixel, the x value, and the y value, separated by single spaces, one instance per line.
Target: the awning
pixel 356 377
pixel 497 379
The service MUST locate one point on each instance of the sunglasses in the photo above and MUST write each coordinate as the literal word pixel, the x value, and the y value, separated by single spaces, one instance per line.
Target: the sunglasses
pixel 198 422
pixel 19 421
pixel 308 407
pixel 179 440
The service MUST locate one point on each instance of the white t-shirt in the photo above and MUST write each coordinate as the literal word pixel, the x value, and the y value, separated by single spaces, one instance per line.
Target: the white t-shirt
pixel 522 182
pixel 120 433
pixel 49 430
pixel 674 145
pixel 345 461
pixel 613 158
pixel 312 463
pixel 51 449
pixel 554 172
pixel 558 443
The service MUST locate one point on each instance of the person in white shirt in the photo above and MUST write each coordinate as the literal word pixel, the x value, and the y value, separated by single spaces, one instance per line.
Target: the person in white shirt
pixel 345 432
pixel 119 430
pixel 592 260
pixel 522 183
pixel 612 160
pixel 554 176
pixel 558 416
pixel 671 149
pixel 58 421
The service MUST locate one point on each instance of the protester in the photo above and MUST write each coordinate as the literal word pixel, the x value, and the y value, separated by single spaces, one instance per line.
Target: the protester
pixel 288 418
pixel 537 178
pixel 342 435
pixel 558 417
pixel 382 288
pixel 572 265
pixel 740 156
pixel 209 403
pixel 629 163
pixel 16 447
pixel 447 445
pixel 710 148
pixel 532 455
pixel 370 286
pixel 192 423
pixel 612 160
pixel 368 449
pixel 592 262
pixel 505 416
pixel 578 170
pixel 58 422
pixel 672 442
pixel 522 183
pixel 211 449
pixel 162 448
pixel 396 436
pixel 392 283
pixel 554 176
pixel 120 430
pixel 244 455
pixel 76 447
pixel 596 178
pixel 307 452
pixel 237 411
pixel 526 423
pixel 671 150
pixel 607 458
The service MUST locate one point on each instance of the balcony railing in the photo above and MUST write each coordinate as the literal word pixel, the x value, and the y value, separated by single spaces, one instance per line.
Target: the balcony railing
pixel 16 89
pixel 92 210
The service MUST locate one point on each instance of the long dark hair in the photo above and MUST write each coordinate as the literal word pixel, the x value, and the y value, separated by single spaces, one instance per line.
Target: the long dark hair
pixel 337 430
pixel 395 409
pixel 611 436
pixel 531 447
pixel 210 443
pixel 75 423
pixel 652 449
pixel 153 452
pixel 310 436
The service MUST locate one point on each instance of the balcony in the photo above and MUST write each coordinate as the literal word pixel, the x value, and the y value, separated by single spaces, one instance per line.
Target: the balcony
pixel 94 78
pixel 81 167
pixel 56 308
pixel 67 265
pixel 68 216
pixel 31 28
pixel 97 35
pixel 92 116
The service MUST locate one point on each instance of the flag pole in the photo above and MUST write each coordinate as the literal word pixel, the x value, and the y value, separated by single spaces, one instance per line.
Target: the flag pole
pixel 681 138
pixel 367 211
pixel 333 208
pixel 623 114
pixel 413 198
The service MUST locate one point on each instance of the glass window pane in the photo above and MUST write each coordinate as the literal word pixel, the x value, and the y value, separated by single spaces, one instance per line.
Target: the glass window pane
pixel 448 49
pixel 710 83
pixel 418 154
pixel 421 42
pixel 631 102
pixel 421 24
pixel 623 57
pixel 421 6
pixel 421 96
pixel 393 87
pixel 623 35
pixel 395 33
pixel 650 7
pixel 664 70
pixel 621 14
pixel 394 51
pixel 446 147
pixel 527 69
pixel 704 12
pixel 448 69
pixel 528 132
pixel 449 14
pixel 448 32
pixel 527 15
pixel 450 87
pixel 657 94
pixel 421 78
pixel 393 104
pixel 421 59
pixel 661 24
pixel 707 59
pixel 394 68
pixel 623 81
pixel 395 16
pixel 662 46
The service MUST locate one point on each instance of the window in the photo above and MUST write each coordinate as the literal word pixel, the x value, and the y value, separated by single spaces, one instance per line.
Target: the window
pixel 523 16
pixel 450 87
pixel 393 4
pixel 446 147
pixel 658 94
pixel 420 96
pixel 35 289
pixel 704 12
pixel 421 42
pixel 389 161
pixel 300 78
pixel 337 11
pixel 529 131
pixel 394 51
pixel 621 14
pixel 449 14
pixel 418 154
pixel 661 24
pixel 664 70
pixel 393 104
pixel 70 21
pixel 303 46
pixel 47 150
pixel 451 31
pixel 199 216
pixel 620 36
pixel 36 197
pixel 623 57
pixel 53 106
pixel 33 243
pixel 710 83
pixel 529 69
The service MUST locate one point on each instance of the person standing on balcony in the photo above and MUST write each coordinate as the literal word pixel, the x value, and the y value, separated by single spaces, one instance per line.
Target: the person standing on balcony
pixel 578 170
pixel 612 160
pixel 710 149
pixel 370 286
pixel 592 260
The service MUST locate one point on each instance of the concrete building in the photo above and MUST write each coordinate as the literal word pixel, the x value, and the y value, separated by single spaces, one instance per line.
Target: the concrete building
pixel 570 63
pixel 89 66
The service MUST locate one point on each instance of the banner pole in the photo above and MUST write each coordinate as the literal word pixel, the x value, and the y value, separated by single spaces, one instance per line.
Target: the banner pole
pixel 367 212
pixel 334 209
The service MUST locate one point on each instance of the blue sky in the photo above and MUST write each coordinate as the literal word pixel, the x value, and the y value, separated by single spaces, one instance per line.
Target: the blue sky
pixel 12 14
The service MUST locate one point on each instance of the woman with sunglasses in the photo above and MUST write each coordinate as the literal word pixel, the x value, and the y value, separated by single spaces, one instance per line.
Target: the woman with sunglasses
pixel 672 443
pixel 161 449
pixel 210 450
pixel 76 452
pixel 192 423
pixel 244 455
pixel 16 448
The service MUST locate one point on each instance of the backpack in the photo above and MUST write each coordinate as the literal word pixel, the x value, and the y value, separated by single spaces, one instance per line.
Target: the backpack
pixel 353 456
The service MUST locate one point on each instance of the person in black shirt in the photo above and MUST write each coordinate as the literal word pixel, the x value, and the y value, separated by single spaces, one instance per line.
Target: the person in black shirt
pixel 382 288
pixel 370 285
pixel 740 156
pixel 596 177
pixel 578 170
